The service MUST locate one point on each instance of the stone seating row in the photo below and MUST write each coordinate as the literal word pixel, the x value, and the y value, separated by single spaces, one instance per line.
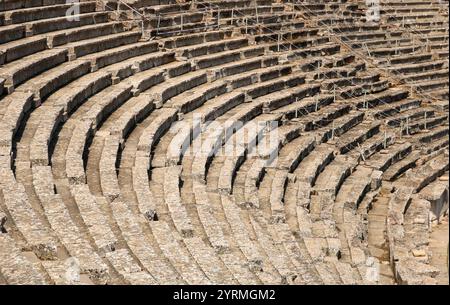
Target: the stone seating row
pixel 138 243
pixel 269 28
pixel 390 109
pixel 16 73
pixel 88 208
pixel 92 216
pixel 59 106
pixel 434 134
pixel 286 276
pixel 12 5
pixel 133 234
pixel 200 255
pixel 114 48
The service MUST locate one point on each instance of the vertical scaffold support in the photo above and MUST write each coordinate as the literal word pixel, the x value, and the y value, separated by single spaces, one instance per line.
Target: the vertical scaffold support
pixel 158 24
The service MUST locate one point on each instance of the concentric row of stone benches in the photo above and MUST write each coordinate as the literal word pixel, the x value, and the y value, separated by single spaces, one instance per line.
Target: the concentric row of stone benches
pixel 95 153
pixel 83 247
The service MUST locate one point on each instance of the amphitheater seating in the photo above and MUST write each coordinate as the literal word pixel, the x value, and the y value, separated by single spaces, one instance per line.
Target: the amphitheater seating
pixel 222 142
pixel 24 271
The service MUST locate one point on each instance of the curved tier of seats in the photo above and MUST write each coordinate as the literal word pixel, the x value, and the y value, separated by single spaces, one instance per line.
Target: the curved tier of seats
pixel 222 142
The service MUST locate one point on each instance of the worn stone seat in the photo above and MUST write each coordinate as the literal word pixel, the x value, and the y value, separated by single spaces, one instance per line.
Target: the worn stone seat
pixel 428 86
pixel 12 5
pixel 157 174
pixel 138 243
pixel 169 244
pixel 378 47
pixel 351 195
pixel 391 109
pixel 414 68
pixel 211 47
pixel 173 200
pixel 90 262
pixel 207 215
pixel 153 132
pixel 292 35
pixel 44 12
pixel 196 38
pixel 410 116
pixel 57 108
pixel 110 187
pixel 382 98
pixel 32 65
pixel 115 141
pixel 38 237
pixel 166 8
pixel 88 46
pixel 314 163
pixel 185 28
pixel 305 106
pixel 434 134
pixel 426 75
pixel 298 149
pixel 353 139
